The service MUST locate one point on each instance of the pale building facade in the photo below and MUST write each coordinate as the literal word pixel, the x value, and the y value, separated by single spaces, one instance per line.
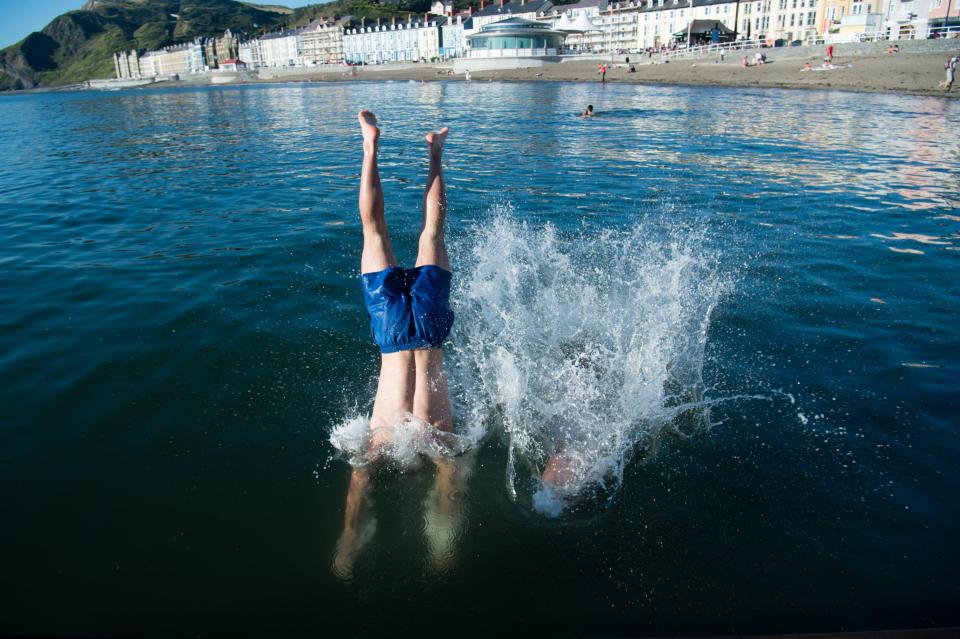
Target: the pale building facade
pixel 322 43
pixel 453 44
pixel 907 20
pixel 396 42
pixel 642 24
pixel 216 50
pixel 429 37
pixel 251 54
pixel 176 60
pixel 127 65
pixel 944 13
pixel 281 49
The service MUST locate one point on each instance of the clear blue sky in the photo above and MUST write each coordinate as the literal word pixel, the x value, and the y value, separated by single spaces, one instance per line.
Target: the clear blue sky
pixel 21 17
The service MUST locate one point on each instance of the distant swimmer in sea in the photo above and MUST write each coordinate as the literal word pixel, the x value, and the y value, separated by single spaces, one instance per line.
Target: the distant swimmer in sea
pixel 410 318
pixel 589 112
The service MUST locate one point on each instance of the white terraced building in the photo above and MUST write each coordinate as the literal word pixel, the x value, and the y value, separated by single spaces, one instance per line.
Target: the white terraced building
pixel 640 24
pixel 397 42
pixel 282 49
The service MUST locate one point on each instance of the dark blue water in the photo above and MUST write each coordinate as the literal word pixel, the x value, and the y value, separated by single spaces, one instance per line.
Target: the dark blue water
pixel 182 330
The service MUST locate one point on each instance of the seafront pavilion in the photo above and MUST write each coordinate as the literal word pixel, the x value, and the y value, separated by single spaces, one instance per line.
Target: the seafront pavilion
pixel 515 38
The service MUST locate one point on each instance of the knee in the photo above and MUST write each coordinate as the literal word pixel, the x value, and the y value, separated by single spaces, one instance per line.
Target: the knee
pixel 431 236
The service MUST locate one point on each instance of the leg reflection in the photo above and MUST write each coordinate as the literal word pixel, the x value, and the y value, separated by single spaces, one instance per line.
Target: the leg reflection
pixel 358 525
pixel 444 511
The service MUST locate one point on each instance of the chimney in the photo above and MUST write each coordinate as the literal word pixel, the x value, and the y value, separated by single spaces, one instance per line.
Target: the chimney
pixel 393 21
pixel 425 18
pixel 378 23
pixel 363 22
pixel 501 4
pixel 482 4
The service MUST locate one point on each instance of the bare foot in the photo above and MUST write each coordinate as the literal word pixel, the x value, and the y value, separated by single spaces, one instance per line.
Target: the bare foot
pixel 368 126
pixel 435 139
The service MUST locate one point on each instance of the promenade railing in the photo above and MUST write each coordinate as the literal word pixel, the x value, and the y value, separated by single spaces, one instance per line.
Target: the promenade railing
pixel 930 33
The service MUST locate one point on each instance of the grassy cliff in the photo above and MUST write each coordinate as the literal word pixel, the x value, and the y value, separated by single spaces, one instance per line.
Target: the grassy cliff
pixel 79 45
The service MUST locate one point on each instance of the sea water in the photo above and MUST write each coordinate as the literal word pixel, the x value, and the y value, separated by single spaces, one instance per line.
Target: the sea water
pixel 732 311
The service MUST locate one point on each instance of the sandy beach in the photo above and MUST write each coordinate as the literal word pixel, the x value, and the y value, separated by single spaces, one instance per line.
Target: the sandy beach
pixel 913 73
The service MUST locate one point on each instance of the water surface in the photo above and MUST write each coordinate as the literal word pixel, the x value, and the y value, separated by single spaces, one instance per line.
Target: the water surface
pixel 183 330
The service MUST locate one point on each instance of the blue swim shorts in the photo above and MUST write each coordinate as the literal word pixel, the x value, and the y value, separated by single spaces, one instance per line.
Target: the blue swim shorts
pixel 408 308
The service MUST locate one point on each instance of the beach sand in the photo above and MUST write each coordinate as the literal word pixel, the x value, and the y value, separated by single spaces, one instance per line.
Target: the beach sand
pixel 915 73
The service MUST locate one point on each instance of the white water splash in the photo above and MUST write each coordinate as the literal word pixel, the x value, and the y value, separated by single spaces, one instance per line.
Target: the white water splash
pixel 407 440
pixel 588 347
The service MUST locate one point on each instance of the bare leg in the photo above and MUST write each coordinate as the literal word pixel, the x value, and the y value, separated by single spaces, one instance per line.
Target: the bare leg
pixel 433 248
pixel 431 401
pixel 377 250
pixel 395 388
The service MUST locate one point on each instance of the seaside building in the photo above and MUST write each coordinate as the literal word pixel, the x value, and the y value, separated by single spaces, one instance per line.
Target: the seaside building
pixel 453 43
pixel 127 65
pixel 429 38
pixel 224 47
pixel 323 41
pixel 907 20
pixel 282 49
pixel 412 41
pixel 250 52
pixel 496 12
pixel 944 13
pixel 232 65
pixel 515 38
pixel 176 60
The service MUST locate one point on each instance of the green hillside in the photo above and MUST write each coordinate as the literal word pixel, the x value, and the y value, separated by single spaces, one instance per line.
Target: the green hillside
pixel 79 45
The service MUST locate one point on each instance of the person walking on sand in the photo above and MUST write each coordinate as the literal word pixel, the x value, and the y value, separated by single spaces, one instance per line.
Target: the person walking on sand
pixel 951 69
pixel 410 318
pixel 603 73
pixel 829 57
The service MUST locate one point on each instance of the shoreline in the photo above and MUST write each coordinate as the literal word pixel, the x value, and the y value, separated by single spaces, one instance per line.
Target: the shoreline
pixel 914 74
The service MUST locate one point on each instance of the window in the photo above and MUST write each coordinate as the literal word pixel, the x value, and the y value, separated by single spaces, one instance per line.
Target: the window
pixel 811 16
pixel 793 19
pixel 937 3
pixel 783 4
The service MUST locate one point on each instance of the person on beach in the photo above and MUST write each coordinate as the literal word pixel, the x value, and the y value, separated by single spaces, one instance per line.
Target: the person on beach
pixel 829 57
pixel 589 112
pixel 410 318
pixel 951 70
pixel 603 73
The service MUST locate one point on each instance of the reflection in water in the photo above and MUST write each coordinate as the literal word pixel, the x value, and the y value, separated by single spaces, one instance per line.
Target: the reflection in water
pixel 444 516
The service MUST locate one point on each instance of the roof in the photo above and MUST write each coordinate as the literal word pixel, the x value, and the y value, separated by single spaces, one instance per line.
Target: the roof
pixel 641 5
pixel 536 6
pixel 583 4
pixel 514 26
pixel 706 26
